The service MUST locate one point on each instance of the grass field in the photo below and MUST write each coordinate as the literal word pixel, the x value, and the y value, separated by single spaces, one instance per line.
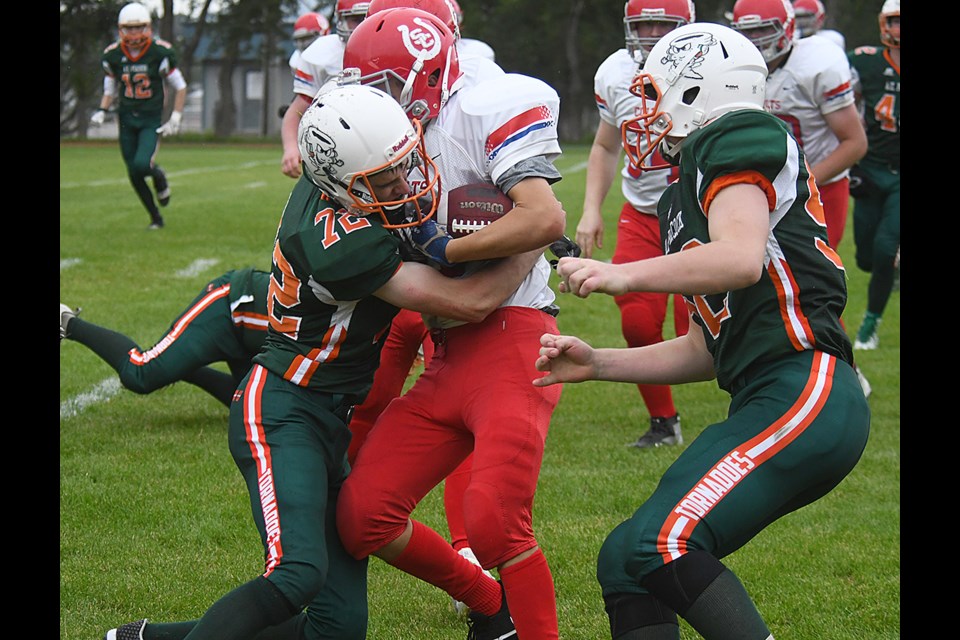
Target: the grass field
pixel 154 518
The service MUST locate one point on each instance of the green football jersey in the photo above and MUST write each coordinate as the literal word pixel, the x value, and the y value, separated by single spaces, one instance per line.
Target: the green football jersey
pixel 879 80
pixel 140 81
pixel 326 327
pixel 796 304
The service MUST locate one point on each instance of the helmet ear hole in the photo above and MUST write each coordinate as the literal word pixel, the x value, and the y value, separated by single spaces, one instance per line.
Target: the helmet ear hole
pixel 690 95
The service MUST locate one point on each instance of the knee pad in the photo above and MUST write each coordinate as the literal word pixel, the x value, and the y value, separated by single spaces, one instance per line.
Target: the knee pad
pixel 630 611
pixel 492 536
pixel 680 582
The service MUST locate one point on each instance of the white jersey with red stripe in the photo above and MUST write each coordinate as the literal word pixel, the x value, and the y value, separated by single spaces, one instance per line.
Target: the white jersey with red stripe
pixel 320 62
pixel 611 90
pixel 487 128
pixel 814 80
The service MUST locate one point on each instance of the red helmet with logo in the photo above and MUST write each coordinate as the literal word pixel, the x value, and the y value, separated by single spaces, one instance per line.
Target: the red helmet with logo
pixel 410 54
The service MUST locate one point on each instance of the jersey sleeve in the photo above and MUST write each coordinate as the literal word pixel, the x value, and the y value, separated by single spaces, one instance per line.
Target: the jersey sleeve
pixel 359 263
pixel 833 85
pixel 518 129
pixel 744 147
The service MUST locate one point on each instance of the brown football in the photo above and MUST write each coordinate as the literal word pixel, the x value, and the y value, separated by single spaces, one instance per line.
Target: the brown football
pixel 474 206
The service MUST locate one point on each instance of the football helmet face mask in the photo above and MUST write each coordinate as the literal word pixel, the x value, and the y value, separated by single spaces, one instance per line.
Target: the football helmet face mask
pixel 308 28
pixel 350 134
pixel 443 9
pixel 696 73
pixel 349 14
pixel 646 21
pixel 133 24
pixel 408 53
pixel 769 24
pixel 890 33
pixel 809 15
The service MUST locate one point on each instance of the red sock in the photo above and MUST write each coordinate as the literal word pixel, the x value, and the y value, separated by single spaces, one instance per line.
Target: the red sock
pixel 531 598
pixel 431 558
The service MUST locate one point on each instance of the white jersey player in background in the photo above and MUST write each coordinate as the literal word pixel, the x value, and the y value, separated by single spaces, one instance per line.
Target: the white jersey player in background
pixel 638 230
pixel 501 130
pixel 319 63
pixel 810 88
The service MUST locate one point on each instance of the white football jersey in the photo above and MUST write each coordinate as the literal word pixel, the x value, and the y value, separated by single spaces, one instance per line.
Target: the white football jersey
pixel 815 80
pixel 486 128
pixel 320 62
pixel 611 88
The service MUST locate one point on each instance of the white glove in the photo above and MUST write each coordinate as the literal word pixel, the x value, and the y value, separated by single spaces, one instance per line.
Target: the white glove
pixel 98 117
pixel 172 126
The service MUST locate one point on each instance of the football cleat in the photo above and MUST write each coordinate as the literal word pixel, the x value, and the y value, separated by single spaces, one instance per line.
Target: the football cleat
pixel 156 223
pixel 129 631
pixel 864 383
pixel 867 337
pixel 663 431
pixel 162 187
pixel 66 315
pixel 496 627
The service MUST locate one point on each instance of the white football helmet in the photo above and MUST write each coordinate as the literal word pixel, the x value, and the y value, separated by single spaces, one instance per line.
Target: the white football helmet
pixel 134 25
pixel 770 25
pixel 349 13
pixel 890 9
pixel 694 74
pixel 637 12
pixel 350 133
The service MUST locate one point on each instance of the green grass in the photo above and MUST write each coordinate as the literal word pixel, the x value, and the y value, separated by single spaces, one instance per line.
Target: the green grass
pixel 154 518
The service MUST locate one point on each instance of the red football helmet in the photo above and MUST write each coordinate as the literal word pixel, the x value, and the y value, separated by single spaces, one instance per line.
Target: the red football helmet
pixel 134 26
pixel 890 9
pixel 410 54
pixel 443 9
pixel 349 13
pixel 810 15
pixel 769 24
pixel 640 39
pixel 308 28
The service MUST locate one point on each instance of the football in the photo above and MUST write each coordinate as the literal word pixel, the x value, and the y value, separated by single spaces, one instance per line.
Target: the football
pixel 474 206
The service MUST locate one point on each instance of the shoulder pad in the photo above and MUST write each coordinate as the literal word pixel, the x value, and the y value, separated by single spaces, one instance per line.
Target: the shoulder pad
pixel 511 90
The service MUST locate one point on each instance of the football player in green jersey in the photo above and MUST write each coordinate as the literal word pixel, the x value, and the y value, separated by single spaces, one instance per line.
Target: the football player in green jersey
pixel 137 69
pixel 338 279
pixel 746 244
pixel 225 322
pixel 876 207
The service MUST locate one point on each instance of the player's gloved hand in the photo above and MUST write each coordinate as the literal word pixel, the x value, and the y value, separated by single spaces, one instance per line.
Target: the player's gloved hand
pixel 172 126
pixel 431 242
pixel 98 117
pixel 563 248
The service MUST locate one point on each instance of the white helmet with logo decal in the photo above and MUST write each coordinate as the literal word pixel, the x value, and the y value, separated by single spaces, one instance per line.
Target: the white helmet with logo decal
pixel 694 74
pixel 353 132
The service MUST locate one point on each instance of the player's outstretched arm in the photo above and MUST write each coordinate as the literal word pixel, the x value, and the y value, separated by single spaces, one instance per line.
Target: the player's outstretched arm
pixel 570 359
